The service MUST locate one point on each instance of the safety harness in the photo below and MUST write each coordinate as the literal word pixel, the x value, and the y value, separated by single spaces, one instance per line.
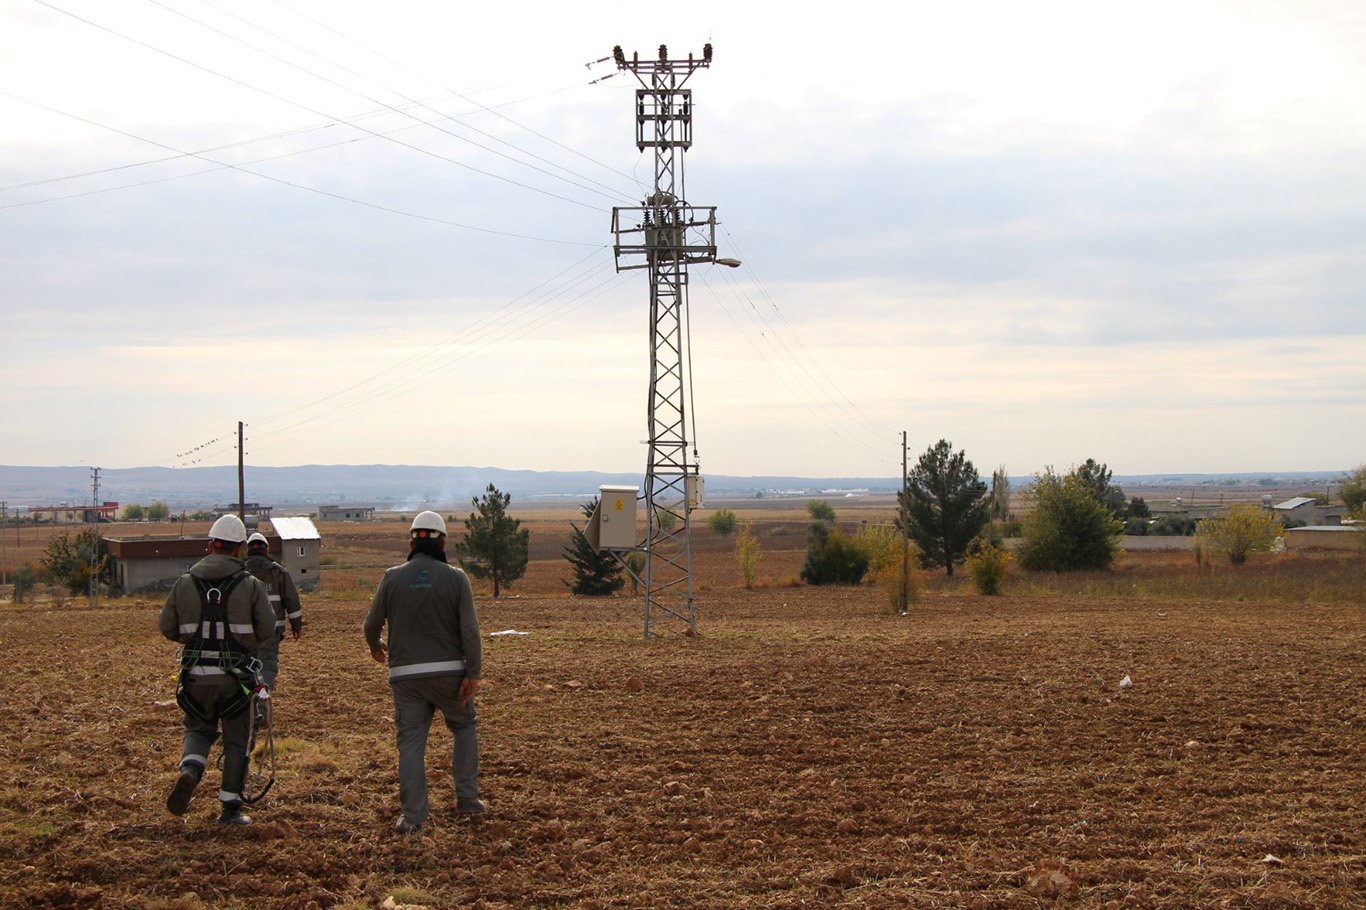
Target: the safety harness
pixel 215 652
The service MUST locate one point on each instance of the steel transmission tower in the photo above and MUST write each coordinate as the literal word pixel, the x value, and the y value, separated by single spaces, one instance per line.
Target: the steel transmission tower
pixel 665 235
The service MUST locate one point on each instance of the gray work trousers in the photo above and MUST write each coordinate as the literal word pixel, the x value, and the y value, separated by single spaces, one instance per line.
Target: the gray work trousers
pixel 212 693
pixel 415 701
pixel 269 656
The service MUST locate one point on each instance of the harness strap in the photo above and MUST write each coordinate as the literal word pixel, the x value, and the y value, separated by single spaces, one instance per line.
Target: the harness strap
pixel 215 652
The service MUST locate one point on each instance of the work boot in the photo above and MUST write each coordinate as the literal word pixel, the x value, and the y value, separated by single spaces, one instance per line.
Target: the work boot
pixel 405 827
pixel 232 815
pixel 471 806
pixel 179 800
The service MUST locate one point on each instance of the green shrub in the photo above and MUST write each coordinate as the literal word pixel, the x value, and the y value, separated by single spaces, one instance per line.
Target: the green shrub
pixel 635 564
pixel 747 555
pixel 1069 530
pixel 722 522
pixel 1172 526
pixel 988 566
pixel 24 578
pixel 820 510
pixel 832 558
pixel 883 544
pixel 1242 529
pixel 890 578
pixel 70 562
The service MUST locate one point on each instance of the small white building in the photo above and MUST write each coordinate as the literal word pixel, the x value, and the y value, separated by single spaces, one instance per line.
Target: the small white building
pixel 300 550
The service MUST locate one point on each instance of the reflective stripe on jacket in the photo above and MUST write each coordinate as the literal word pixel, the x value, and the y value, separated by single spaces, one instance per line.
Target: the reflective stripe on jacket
pixel 284 596
pixel 249 617
pixel 429 609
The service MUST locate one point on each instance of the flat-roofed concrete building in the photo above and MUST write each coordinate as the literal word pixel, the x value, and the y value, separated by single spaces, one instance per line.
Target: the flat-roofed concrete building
pixel 65 514
pixel 1325 537
pixel 148 563
pixel 153 563
pixel 346 513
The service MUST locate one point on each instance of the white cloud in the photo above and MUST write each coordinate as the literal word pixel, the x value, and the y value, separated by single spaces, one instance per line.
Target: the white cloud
pixel 1046 231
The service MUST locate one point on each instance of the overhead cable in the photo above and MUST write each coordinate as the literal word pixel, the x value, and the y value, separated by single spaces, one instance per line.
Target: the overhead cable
pixel 445 88
pixel 280 180
pixel 423 354
pixel 781 367
pixel 855 411
pixel 417 380
pixel 612 194
pixel 311 110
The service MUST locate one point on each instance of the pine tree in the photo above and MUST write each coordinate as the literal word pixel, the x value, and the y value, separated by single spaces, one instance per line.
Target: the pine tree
pixel 495 546
pixel 596 572
pixel 946 504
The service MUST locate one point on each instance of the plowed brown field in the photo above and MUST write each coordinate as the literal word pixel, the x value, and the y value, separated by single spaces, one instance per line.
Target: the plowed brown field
pixel 806 749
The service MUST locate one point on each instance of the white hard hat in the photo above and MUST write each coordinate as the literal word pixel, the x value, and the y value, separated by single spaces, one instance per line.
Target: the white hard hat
pixel 428 521
pixel 258 537
pixel 229 528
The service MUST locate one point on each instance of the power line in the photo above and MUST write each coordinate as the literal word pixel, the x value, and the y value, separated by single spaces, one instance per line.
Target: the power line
pixel 827 394
pixel 417 379
pixel 558 296
pixel 848 404
pixel 273 179
pixel 360 94
pixel 305 107
pixel 412 101
pixel 444 342
pixel 184 458
pixel 299 131
pixel 799 396
pixel 445 88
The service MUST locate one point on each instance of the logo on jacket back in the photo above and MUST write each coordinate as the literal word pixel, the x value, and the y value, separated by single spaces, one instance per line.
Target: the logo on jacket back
pixel 422 581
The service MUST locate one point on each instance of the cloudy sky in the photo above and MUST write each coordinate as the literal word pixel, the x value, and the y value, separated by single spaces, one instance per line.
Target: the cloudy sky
pixel 380 233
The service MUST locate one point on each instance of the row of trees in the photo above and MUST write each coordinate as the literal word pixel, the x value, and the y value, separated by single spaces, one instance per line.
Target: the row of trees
pixel 1075 522
pixel 157 511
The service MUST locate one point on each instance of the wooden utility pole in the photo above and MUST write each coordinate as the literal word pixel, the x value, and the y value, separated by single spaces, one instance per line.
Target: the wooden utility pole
pixel 241 478
pixel 94 537
pixel 905 531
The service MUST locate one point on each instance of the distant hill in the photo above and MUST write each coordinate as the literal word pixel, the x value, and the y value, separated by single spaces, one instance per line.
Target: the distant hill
pixel 386 487
pixel 406 487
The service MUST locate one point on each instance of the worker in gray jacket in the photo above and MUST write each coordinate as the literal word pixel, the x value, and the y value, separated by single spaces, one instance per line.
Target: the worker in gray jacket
pixel 220 614
pixel 284 600
pixel 434 656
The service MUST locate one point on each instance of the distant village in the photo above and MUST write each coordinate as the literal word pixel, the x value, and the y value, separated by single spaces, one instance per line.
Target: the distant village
pixel 140 563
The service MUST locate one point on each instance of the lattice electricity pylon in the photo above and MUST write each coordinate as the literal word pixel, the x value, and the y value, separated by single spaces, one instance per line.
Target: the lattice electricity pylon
pixel 665 235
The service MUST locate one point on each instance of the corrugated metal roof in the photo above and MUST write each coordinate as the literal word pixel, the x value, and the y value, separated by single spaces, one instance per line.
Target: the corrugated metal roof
pixel 1294 503
pixel 295 529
